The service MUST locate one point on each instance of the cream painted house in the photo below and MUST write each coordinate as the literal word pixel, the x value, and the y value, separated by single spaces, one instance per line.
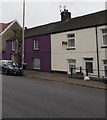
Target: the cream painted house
pixel 81 42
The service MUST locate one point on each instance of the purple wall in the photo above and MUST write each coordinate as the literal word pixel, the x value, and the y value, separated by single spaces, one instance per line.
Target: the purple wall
pixel 8 52
pixel 44 52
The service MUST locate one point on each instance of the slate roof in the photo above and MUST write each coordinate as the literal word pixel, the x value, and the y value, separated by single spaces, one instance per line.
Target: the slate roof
pixel 86 21
pixel 3 26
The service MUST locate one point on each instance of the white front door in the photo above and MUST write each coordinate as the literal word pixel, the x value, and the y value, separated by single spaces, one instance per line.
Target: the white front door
pixel 12 57
pixel 36 63
pixel 105 68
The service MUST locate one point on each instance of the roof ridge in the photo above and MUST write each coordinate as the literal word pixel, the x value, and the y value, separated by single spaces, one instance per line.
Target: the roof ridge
pixel 43 25
pixel 68 20
pixel 80 22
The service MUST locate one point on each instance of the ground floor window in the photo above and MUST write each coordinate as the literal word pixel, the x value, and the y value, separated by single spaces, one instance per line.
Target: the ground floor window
pixel 105 67
pixel 36 63
pixel 71 64
pixel 89 64
pixel 12 57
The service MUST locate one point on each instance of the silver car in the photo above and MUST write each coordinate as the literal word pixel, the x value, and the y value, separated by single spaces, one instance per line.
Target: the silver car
pixel 10 67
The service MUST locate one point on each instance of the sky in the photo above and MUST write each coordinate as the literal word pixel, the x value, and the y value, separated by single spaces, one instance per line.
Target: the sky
pixel 40 12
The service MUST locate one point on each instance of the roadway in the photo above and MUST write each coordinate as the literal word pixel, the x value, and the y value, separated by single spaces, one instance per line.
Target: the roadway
pixel 24 97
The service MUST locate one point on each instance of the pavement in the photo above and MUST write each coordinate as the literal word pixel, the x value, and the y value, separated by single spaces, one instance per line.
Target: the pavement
pixel 64 78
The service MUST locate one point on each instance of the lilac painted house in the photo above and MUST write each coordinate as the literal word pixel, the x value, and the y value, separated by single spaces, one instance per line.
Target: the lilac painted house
pixel 39 42
pixel 37 45
pixel 37 49
pixel 9 52
pixel 38 53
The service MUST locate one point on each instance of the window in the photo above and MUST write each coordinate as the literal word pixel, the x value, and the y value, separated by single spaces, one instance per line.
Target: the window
pixel 12 57
pixel 36 45
pixel 104 37
pixel 89 64
pixel 13 45
pixel 71 64
pixel 36 63
pixel 71 40
pixel 105 67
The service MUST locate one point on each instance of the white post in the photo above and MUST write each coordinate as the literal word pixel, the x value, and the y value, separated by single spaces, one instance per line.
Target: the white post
pixel 23 33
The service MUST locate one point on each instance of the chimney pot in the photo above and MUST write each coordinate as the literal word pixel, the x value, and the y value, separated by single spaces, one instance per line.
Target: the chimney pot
pixel 65 15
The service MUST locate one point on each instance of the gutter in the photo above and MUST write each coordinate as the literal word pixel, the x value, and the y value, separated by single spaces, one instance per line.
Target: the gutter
pixel 97 52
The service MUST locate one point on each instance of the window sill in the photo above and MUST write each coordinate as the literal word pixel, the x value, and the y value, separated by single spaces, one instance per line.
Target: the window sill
pixel 70 49
pixel 36 49
pixel 13 50
pixel 105 46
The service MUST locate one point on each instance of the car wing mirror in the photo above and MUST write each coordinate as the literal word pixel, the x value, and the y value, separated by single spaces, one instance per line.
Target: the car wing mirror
pixel 4 65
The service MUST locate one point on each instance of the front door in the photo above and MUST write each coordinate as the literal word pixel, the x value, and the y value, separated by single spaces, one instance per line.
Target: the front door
pixel 12 57
pixel 36 63
pixel 105 67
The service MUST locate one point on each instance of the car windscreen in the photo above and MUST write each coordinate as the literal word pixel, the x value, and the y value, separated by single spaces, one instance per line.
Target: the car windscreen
pixel 12 64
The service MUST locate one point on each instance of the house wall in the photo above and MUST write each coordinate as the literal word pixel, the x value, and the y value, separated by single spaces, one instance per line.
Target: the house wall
pixel 85 40
pixel 0 47
pixel 102 51
pixel 44 52
pixel 8 51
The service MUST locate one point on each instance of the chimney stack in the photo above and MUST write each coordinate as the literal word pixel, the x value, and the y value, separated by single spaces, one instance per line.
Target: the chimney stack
pixel 65 15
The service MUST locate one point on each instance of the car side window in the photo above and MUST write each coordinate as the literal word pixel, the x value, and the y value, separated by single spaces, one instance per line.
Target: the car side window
pixel 3 64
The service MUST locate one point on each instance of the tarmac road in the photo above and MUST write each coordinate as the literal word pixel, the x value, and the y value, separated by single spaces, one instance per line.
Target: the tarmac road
pixel 24 97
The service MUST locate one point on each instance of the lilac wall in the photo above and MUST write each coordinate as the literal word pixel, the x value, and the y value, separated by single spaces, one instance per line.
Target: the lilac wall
pixel 8 52
pixel 44 52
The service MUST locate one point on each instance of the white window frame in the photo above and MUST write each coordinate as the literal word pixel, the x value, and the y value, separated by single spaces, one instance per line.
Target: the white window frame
pixel 36 45
pixel 103 34
pixel 13 45
pixel 72 39
pixel 90 61
pixel 72 64
pixel 36 68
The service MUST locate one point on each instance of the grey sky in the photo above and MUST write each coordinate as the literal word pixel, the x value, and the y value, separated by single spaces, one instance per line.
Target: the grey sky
pixel 43 12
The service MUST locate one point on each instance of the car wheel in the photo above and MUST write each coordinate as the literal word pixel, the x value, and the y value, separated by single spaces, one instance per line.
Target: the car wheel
pixel 14 73
pixel 6 72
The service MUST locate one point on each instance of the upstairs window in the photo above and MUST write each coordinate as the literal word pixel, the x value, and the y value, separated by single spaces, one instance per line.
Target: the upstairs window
pixel 13 45
pixel 71 41
pixel 36 45
pixel 104 37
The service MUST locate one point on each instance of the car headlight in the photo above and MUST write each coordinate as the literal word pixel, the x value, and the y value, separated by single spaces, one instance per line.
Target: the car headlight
pixel 10 68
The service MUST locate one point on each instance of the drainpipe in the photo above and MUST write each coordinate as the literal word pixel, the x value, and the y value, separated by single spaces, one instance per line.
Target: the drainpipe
pixel 97 51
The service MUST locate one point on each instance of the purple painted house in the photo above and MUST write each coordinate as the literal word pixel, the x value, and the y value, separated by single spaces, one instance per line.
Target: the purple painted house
pixel 37 45
pixel 8 52
pixel 38 53
pixel 7 32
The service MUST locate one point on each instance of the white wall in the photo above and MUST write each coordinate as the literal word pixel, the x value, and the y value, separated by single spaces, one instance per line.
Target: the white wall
pixel 102 51
pixel 85 48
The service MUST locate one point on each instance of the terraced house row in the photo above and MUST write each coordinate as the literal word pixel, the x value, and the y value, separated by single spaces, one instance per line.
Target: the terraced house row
pixel 69 43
